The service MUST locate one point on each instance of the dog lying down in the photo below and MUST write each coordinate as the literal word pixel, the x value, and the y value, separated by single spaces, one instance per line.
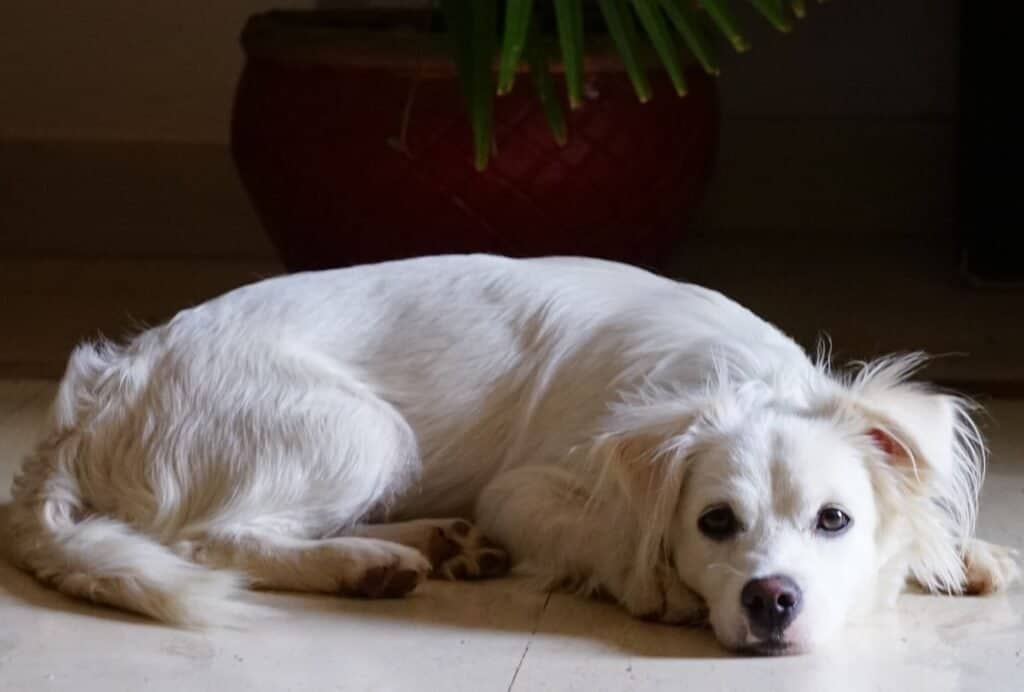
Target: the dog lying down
pixel 614 431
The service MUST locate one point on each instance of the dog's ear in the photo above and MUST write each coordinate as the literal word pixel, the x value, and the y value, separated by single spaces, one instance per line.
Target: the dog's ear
pixel 912 427
pixel 890 445
pixel 642 472
pixel 646 440
pixel 646 464
pixel 933 455
pixel 643 454
pixel 919 430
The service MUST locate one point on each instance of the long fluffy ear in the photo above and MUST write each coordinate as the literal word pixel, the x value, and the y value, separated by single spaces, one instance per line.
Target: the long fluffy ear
pixel 934 451
pixel 643 454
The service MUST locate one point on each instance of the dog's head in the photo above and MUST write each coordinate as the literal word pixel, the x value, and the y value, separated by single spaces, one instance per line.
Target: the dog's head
pixel 789 515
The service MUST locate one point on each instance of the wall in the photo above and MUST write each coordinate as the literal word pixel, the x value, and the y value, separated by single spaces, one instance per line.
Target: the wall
pixel 846 126
pixel 121 70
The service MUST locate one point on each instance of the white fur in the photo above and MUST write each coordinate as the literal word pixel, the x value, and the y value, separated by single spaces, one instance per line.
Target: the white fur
pixel 585 411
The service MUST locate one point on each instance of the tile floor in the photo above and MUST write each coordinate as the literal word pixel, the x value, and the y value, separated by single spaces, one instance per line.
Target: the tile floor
pixel 500 635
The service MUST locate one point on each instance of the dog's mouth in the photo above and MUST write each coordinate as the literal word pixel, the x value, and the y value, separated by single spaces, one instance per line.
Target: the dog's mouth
pixel 771 647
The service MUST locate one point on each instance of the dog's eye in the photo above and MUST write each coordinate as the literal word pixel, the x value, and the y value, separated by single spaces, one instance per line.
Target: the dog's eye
pixel 718 523
pixel 833 520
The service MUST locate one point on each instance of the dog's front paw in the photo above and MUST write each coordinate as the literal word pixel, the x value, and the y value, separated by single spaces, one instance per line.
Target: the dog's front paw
pixel 387 581
pixel 379 569
pixel 989 568
pixel 458 550
pixel 668 600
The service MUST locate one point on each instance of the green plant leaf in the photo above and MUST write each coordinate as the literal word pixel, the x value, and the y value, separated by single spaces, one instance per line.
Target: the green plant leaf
pixel 569 18
pixel 623 32
pixel 649 12
pixel 473 29
pixel 723 17
pixel 774 12
pixel 485 39
pixel 686 23
pixel 545 86
pixel 517 21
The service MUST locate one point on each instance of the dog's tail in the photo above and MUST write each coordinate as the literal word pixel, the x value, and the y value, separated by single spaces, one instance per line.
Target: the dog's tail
pixel 104 560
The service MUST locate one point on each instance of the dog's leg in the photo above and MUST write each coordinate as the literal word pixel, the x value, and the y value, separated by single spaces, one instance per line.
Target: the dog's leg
pixel 274 504
pixel 988 567
pixel 346 565
pixel 456 549
pixel 542 516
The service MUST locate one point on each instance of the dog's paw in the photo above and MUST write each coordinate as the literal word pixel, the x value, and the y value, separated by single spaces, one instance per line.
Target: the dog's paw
pixel 458 550
pixel 989 568
pixel 668 600
pixel 387 581
pixel 387 571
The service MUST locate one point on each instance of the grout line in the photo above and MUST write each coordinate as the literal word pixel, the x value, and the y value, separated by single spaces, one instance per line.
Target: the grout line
pixel 526 649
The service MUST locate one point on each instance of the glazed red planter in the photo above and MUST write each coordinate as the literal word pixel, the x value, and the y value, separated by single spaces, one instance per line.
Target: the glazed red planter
pixel 317 137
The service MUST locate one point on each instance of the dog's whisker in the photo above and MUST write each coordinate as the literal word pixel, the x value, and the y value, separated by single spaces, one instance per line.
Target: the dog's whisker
pixel 722 565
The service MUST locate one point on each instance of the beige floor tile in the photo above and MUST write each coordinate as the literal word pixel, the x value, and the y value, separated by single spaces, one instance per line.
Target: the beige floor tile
pixel 23 406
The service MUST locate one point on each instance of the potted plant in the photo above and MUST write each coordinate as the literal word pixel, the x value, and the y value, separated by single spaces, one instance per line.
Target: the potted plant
pixel 514 126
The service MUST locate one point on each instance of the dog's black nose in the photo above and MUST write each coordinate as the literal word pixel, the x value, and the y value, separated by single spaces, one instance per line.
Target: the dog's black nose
pixel 771 604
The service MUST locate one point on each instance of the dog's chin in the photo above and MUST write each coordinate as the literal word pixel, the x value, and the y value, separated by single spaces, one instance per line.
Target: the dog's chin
pixel 738 636
pixel 771 647
pixel 739 639
pixel 748 644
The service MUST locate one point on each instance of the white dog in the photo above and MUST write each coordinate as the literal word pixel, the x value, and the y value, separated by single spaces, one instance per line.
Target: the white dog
pixel 615 431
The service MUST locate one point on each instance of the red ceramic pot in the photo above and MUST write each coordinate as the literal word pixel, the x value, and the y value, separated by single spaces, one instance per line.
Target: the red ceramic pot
pixel 355 147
